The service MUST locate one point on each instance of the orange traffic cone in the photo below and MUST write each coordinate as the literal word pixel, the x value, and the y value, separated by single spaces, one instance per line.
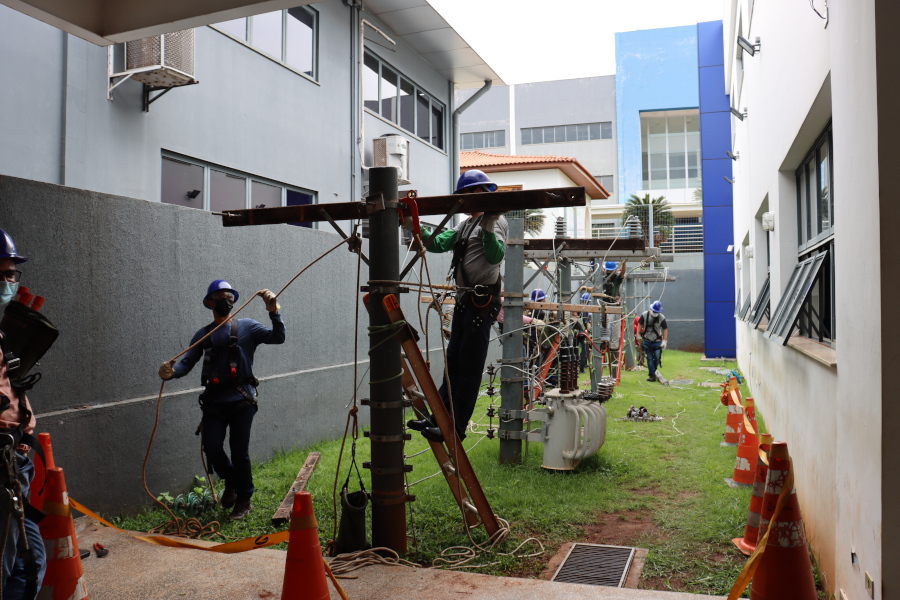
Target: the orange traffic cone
pixel 748 450
pixel 64 579
pixel 733 420
pixel 304 568
pixel 747 544
pixel 785 571
pixel 38 484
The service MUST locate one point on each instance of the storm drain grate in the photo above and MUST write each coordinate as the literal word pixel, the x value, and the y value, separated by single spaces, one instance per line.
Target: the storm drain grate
pixel 595 564
pixel 682 381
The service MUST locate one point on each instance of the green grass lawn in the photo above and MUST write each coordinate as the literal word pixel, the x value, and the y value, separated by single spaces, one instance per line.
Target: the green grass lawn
pixel 654 485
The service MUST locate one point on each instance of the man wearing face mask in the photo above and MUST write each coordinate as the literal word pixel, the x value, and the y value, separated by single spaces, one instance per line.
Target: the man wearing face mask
pixel 229 398
pixel 22 572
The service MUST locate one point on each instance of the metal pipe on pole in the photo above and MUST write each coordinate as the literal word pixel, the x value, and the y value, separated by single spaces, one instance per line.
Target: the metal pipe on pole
pixel 512 391
pixel 385 386
pixel 454 129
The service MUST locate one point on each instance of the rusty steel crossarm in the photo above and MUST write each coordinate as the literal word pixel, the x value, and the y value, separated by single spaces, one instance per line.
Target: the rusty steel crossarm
pixel 428 205
pixel 573 244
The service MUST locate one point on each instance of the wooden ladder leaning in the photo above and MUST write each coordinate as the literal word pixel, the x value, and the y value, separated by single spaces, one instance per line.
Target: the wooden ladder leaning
pixel 452 458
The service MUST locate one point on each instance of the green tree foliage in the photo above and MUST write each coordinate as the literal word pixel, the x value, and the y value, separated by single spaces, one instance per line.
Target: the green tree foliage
pixel 640 207
pixel 534 220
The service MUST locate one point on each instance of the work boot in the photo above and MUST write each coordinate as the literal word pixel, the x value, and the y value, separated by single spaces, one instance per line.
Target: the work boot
pixel 420 424
pixel 651 379
pixel 433 434
pixel 242 508
pixel 228 497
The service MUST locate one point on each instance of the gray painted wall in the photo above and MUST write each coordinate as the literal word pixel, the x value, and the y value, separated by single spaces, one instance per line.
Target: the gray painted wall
pixel 124 279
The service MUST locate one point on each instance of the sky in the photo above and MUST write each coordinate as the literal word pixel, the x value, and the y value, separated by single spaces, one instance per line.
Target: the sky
pixel 531 40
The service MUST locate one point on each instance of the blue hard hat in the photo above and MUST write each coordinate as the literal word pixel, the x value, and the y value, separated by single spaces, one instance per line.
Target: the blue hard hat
pixel 474 177
pixel 215 286
pixel 610 265
pixel 656 306
pixel 585 297
pixel 8 248
pixel 537 295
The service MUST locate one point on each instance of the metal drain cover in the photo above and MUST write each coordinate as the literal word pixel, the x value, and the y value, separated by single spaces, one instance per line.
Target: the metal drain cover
pixel 682 381
pixel 595 564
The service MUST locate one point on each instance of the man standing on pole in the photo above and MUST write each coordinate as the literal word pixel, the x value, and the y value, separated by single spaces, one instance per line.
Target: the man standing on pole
pixel 478 245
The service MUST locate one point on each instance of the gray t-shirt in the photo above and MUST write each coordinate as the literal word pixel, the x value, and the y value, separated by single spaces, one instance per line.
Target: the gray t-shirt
pixel 476 269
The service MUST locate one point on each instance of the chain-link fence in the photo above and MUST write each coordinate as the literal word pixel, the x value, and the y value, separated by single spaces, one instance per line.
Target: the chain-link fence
pixel 673 235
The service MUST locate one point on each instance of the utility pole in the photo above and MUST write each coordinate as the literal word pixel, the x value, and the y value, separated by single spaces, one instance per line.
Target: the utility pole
pixel 385 385
pixel 512 378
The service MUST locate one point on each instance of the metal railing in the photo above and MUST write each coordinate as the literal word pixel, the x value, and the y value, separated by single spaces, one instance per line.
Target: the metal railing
pixel 682 239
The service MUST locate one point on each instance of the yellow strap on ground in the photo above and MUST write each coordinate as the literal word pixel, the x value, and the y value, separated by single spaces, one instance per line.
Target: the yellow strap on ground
pixel 261 541
pixel 334 580
pixel 752 564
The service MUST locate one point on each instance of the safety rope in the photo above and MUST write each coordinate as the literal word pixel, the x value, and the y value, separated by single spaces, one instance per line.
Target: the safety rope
pixel 192 527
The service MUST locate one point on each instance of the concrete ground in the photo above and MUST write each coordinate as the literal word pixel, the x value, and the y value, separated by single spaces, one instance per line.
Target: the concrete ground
pixel 136 570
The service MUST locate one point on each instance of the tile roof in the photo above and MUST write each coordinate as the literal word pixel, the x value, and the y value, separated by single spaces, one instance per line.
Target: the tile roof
pixel 574 170
pixel 477 158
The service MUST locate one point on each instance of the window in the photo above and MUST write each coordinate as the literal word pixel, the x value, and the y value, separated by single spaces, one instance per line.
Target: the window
pixel 607 182
pixel 670 150
pixel 795 296
pixel 761 306
pixel 195 184
pixel 815 214
pixel 745 308
pixel 288 36
pixel 393 97
pixel 483 139
pixel 567 133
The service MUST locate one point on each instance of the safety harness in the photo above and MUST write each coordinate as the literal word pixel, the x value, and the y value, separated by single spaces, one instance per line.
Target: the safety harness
pixel 209 377
pixel 484 297
pixel 655 326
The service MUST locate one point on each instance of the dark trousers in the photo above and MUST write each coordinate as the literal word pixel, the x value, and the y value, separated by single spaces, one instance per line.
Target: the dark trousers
pixel 238 416
pixel 466 354
pixel 653 352
pixel 14 580
pixel 585 351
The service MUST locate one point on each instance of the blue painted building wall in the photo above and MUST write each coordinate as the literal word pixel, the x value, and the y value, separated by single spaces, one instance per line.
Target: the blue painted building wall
pixel 715 139
pixel 656 69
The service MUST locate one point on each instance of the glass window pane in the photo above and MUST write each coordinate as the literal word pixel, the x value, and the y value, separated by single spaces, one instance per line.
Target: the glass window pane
pixel 267 33
pixel 437 125
pixel 656 134
pixel 370 83
pixel 607 182
pixel 824 188
pixel 235 27
pixel 812 189
pixel 692 123
pixel 677 161
pixel 388 93
pixel 549 135
pixel 693 158
pixel 801 206
pixel 408 105
pixel 301 25
pixel 526 136
pixel 466 142
pixel 559 133
pixel 606 130
pixel 226 191
pixel 263 195
pixel 181 181
pixel 584 133
pixel 645 149
pixel 537 135
pixel 488 139
pixel 595 131
pixel 500 138
pixel 422 114
pixel 295 198
pixel 478 140
pixel 571 133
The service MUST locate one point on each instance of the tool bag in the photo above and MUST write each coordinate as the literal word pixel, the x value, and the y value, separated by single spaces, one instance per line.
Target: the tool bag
pixel 351 535
pixel 27 335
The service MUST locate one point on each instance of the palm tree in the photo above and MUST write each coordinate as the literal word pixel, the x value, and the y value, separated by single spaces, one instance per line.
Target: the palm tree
pixel 534 220
pixel 640 208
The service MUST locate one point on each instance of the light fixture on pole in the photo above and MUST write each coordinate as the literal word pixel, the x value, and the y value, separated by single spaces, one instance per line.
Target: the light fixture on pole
pixel 733 156
pixel 740 115
pixel 745 45
pixel 725 177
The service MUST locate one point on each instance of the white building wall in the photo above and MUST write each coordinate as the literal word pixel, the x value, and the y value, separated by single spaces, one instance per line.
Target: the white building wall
pixel 548 178
pixel 804 76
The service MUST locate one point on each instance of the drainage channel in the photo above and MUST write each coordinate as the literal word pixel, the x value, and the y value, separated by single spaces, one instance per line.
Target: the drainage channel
pixel 595 564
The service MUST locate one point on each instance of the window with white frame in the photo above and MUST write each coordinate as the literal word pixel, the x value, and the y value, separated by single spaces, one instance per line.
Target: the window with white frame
pixel 582 132
pixel 808 303
pixel 482 139
pixel 289 36
pixel 205 186
pixel 607 182
pixel 388 93
pixel 670 150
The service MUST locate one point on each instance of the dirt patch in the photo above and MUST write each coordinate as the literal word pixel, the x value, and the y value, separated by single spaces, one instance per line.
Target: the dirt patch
pixel 623 528
pixel 663 583
pixel 648 492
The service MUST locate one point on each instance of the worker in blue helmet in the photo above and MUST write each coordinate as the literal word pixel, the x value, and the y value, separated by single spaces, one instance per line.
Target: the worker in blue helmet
pixel 22 570
pixel 612 279
pixel 478 245
pixel 655 334
pixel 229 398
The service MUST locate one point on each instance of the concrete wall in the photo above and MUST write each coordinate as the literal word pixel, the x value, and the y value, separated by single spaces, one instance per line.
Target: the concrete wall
pixel 124 279
pixel 489 113
pixel 838 422
pixel 656 69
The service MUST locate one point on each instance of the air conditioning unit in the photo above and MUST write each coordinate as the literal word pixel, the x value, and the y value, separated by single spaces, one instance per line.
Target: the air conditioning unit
pixel 393 151
pixel 160 62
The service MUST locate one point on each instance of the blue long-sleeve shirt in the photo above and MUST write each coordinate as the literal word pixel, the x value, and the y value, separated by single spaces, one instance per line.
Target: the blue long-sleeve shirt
pixel 251 334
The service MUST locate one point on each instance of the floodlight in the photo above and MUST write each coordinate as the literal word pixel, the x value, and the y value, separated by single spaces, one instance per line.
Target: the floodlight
pixel 731 181
pixel 193 194
pixel 730 248
pixel 734 156
pixel 740 115
pixel 745 45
